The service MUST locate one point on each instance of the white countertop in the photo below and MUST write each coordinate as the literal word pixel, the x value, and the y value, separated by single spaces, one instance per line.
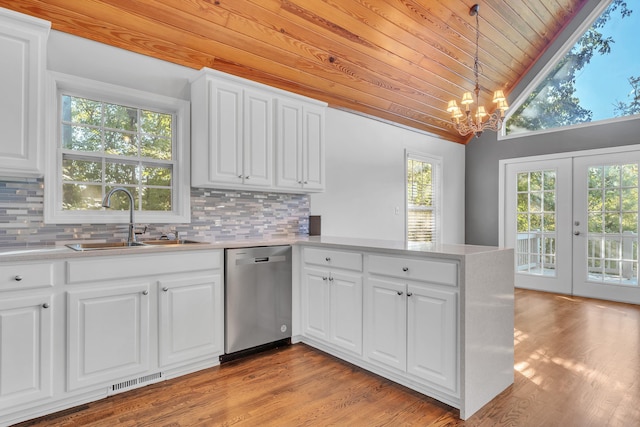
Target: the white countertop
pixel 399 246
pixel 35 252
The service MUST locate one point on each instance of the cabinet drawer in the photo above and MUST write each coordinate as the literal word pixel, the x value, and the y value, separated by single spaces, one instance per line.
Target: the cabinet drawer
pixel 26 276
pixel 123 267
pixel 332 258
pixel 426 270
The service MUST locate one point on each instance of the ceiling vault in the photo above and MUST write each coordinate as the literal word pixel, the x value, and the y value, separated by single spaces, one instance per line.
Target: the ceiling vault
pixel 395 60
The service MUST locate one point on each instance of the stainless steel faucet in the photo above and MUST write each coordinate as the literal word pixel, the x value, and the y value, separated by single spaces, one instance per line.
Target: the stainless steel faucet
pixel 131 238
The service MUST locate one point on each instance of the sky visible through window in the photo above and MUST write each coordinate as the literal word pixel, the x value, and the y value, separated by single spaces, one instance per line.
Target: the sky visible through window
pixel 605 80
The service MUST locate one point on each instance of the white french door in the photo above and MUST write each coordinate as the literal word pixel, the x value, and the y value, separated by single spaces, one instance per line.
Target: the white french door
pixel 573 224
pixel 537 220
pixel 605 229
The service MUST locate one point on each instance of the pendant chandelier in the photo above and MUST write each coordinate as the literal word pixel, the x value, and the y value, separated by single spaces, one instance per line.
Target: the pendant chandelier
pixel 466 122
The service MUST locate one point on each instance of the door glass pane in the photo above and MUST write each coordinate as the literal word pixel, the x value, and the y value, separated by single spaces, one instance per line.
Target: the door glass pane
pixel 612 251
pixel 536 223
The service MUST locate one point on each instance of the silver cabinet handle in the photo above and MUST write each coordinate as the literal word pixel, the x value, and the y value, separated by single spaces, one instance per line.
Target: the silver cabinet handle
pixel 324 278
pixel 405 268
pixel 45 305
pixel 577 233
pixel 327 259
pixel 240 176
pixel 145 292
pixel 330 279
pixel 18 278
pixel 165 289
pixel 246 177
pixel 409 294
pixel 305 182
pixel 400 292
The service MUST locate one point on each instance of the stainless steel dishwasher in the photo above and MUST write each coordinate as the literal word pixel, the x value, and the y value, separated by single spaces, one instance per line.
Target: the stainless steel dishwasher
pixel 257 299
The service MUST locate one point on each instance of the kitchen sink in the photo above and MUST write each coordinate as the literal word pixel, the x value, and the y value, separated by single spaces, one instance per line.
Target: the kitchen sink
pixel 164 242
pixel 88 246
pixel 102 246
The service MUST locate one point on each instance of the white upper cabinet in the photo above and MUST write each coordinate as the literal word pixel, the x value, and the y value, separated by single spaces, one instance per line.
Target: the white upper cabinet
pixel 299 145
pixel 234 123
pixel 233 145
pixel 22 75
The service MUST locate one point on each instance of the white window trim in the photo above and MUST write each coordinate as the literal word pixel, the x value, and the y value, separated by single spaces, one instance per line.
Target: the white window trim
pixel 436 161
pixel 53 213
pixel 542 74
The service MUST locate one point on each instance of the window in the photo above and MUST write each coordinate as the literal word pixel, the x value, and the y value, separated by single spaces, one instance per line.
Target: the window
pixel 581 86
pixel 107 137
pixel 423 181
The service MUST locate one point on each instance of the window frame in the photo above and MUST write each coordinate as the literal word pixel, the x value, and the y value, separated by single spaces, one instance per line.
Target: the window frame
pixel 58 84
pixel 436 163
pixel 542 74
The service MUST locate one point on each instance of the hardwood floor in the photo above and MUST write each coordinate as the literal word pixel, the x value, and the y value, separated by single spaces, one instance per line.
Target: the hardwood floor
pixel 577 363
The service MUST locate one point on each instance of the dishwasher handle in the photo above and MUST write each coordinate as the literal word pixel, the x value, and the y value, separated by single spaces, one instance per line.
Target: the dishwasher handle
pixel 261 260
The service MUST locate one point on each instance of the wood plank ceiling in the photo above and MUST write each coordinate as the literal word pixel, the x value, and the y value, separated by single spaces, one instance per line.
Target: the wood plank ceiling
pixel 395 60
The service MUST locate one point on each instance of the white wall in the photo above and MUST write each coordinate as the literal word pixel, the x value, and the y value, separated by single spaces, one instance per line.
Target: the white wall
pixel 97 61
pixel 366 182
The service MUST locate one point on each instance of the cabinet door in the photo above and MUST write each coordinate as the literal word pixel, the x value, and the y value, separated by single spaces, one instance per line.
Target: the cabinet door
pixel 289 144
pixel 21 84
pixel 315 303
pixel 225 132
pixel 108 334
pixel 432 337
pixel 386 323
pixel 313 149
pixel 191 318
pixel 258 139
pixel 345 309
pixel 25 350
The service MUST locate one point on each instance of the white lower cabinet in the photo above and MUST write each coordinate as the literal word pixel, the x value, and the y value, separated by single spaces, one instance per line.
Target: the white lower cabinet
pixel 432 335
pixel 386 323
pixel 77 329
pixel 107 334
pixel 189 318
pixel 332 307
pixel 26 331
pixel 397 315
pixel 167 317
pixel 412 329
pixel 412 326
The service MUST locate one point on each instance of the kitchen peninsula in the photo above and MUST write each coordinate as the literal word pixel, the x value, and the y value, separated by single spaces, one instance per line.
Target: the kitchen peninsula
pixel 437 319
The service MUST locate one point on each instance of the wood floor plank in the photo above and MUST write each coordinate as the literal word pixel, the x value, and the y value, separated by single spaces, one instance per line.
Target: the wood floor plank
pixel 577 363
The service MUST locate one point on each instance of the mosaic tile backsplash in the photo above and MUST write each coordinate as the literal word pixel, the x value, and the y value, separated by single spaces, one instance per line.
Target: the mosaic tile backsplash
pixel 216 215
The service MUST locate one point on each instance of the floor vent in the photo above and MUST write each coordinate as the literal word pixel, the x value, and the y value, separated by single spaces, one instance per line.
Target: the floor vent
pixel 133 383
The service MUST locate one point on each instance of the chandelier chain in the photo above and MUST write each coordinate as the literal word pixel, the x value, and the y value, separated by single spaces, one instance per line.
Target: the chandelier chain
pixel 464 121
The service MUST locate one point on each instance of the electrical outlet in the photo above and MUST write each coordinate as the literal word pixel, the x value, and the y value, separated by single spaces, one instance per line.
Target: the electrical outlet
pixel 397 210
